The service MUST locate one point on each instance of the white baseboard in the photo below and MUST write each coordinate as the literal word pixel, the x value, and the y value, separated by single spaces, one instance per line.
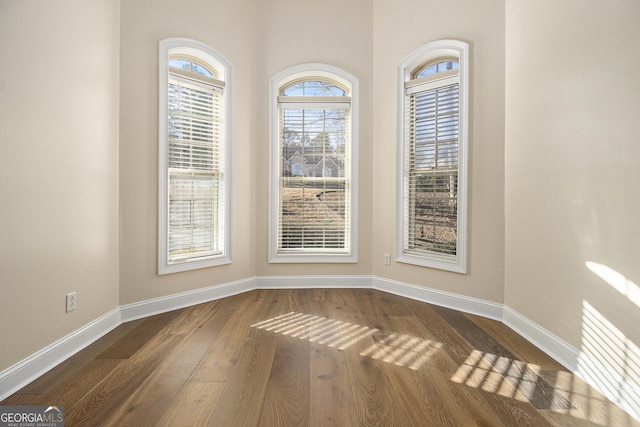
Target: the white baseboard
pixel 153 306
pixel 558 349
pixel 313 282
pixel 22 373
pixel 462 303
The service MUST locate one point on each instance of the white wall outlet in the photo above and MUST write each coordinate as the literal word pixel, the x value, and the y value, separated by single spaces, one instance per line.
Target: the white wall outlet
pixel 71 301
pixel 387 259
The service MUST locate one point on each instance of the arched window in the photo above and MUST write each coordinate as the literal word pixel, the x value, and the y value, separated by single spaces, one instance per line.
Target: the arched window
pixel 194 149
pixel 433 156
pixel 439 66
pixel 313 206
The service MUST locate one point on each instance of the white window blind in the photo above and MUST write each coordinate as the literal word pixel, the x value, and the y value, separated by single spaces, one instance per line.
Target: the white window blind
pixel 195 220
pixel 313 193
pixel 431 162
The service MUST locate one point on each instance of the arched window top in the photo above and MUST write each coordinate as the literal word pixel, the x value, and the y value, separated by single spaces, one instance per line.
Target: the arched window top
pixel 195 60
pixel 314 80
pixel 192 65
pixel 313 87
pixel 435 67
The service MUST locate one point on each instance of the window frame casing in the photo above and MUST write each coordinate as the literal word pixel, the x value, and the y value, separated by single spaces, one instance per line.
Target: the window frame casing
pixel 205 54
pixel 429 53
pixel 286 77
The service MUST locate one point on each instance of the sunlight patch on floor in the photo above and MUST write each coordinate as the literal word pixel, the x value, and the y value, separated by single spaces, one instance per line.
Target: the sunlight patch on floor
pixel 399 349
pixel 496 374
pixel 403 350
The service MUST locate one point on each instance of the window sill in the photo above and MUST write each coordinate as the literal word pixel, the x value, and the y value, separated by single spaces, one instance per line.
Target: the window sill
pixel 193 265
pixel 313 258
pixel 453 264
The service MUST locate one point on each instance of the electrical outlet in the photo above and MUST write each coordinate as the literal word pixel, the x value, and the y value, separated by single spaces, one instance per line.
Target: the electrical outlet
pixel 71 301
pixel 387 259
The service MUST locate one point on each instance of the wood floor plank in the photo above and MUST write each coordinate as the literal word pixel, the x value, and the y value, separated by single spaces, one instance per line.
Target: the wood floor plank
pixel 343 305
pixel 190 351
pixel 246 386
pixel 193 405
pixel 144 331
pixel 147 403
pixel 365 404
pixel 390 352
pixel 437 329
pixel 406 353
pixel 109 394
pixel 450 333
pixel 241 401
pixel 391 305
pixel 218 362
pixel 344 394
pixel 20 399
pixel 72 389
pixel 287 399
pixel 330 388
pixel 455 344
pixel 275 303
pixel 373 314
pixel 501 371
pixel 432 372
pixel 521 349
pixel 70 367
pixel 189 319
pixel 373 396
pixel 472 333
pixel 304 301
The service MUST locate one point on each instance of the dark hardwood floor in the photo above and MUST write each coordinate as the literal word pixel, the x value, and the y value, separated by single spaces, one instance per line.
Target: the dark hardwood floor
pixel 321 357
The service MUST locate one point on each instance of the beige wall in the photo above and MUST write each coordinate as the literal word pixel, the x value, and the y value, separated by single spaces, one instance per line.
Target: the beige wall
pixel 339 36
pixel 58 169
pixel 572 165
pixel 229 28
pixel 400 27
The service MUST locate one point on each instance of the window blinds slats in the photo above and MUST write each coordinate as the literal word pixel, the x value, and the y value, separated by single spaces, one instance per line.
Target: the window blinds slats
pixel 432 164
pixel 194 157
pixel 313 211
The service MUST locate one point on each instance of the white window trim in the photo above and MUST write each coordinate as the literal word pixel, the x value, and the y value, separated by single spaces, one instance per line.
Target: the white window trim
pixel 427 53
pixel 289 75
pixel 209 56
